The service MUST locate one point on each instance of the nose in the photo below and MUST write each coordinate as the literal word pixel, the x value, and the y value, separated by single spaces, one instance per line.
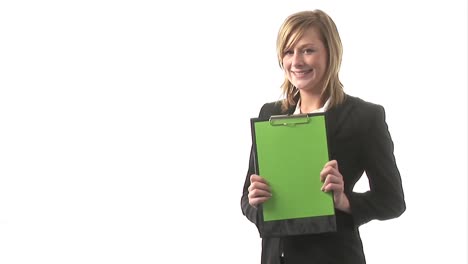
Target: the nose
pixel 297 59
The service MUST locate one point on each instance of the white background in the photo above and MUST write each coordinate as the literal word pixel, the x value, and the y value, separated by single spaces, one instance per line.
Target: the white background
pixel 124 125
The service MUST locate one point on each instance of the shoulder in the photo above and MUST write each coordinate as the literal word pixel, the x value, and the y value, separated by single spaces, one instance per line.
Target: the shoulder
pixel 356 114
pixel 369 118
pixel 269 109
pixel 362 108
pixel 361 104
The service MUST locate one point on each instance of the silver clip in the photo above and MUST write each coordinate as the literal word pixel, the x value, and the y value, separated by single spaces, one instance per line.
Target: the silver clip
pixel 289 120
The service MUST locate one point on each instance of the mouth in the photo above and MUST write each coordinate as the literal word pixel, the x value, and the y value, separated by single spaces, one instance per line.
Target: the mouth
pixel 301 73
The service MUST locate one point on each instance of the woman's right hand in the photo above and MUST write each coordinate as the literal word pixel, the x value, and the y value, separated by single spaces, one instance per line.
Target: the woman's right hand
pixel 259 190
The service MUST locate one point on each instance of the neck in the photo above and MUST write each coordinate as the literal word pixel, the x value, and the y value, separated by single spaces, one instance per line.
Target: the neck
pixel 310 102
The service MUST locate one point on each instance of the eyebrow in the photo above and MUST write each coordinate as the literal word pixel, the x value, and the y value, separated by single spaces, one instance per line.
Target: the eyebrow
pixel 314 45
pixel 307 45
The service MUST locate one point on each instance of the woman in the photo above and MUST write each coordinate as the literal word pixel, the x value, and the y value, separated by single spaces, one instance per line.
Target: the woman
pixel 309 51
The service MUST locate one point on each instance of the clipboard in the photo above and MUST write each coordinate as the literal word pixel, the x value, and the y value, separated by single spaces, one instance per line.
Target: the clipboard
pixel 289 152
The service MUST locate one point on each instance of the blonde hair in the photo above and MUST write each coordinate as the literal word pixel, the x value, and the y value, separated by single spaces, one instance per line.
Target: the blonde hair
pixel 292 29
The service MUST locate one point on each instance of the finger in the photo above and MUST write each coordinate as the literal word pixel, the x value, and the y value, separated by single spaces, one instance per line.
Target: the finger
pixel 256 178
pixel 326 171
pixel 256 201
pixel 332 179
pixel 335 187
pixel 332 163
pixel 259 193
pixel 259 185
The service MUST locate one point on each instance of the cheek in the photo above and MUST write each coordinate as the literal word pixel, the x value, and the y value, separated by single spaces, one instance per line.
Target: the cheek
pixel 286 64
pixel 324 63
pixel 286 69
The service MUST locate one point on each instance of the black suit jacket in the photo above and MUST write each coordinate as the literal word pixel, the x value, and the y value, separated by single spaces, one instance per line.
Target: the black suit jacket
pixel 359 140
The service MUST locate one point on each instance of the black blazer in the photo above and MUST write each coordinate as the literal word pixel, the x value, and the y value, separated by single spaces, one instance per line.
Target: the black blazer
pixel 359 140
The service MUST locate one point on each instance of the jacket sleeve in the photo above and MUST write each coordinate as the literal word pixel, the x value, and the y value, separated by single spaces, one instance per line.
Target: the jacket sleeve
pixel 249 211
pixel 385 199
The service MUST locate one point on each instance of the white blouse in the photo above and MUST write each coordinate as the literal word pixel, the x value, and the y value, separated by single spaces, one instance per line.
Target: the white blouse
pixel 320 110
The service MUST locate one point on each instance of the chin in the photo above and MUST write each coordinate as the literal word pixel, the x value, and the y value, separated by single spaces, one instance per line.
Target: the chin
pixel 302 86
pixel 307 88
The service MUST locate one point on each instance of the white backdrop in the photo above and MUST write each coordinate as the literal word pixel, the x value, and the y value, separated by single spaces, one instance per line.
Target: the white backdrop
pixel 124 125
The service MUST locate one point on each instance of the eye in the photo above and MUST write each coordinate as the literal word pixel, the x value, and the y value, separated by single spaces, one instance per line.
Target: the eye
pixel 308 51
pixel 288 52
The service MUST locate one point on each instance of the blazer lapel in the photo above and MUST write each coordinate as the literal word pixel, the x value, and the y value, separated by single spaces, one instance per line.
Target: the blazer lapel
pixel 276 110
pixel 336 118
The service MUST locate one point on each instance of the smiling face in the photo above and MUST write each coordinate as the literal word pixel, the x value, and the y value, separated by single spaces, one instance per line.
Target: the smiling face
pixel 305 63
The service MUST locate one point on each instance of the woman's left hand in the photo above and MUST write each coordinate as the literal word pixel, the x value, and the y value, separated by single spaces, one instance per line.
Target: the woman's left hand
pixel 333 181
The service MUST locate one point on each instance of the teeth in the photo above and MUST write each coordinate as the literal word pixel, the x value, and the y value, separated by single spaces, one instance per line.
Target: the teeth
pixel 301 72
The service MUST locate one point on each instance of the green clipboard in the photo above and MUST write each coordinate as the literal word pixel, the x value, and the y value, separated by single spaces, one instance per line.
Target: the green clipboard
pixel 289 152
